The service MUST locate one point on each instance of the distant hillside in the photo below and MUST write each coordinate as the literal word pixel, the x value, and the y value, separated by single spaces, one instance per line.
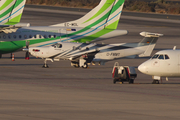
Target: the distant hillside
pixel 157 6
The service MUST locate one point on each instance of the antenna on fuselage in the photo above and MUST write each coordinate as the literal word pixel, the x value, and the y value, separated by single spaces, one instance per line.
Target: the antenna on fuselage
pixel 174 48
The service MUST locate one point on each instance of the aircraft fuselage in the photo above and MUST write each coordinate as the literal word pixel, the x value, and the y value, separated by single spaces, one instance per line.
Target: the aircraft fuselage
pixel 45 36
pixel 165 63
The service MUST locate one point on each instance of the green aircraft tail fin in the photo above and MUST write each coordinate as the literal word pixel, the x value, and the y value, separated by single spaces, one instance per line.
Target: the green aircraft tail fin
pixel 11 11
pixel 105 15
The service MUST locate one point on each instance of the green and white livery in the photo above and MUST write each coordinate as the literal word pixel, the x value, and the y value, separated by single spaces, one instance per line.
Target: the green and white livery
pixel 11 11
pixel 99 24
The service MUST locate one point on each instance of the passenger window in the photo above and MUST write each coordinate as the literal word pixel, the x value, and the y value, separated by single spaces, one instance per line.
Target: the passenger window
pixel 166 57
pixel 155 56
pixel 20 36
pixel 49 36
pixel 39 36
pixel 14 36
pixel 54 36
pixel 4 36
pixel 45 36
pixel 9 36
pixel 25 36
pixel 34 36
pixel 161 57
pixel 30 36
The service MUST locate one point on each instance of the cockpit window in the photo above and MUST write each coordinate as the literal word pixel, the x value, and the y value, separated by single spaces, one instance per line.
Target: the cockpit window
pixel 155 56
pixel 57 45
pixel 161 57
pixel 166 57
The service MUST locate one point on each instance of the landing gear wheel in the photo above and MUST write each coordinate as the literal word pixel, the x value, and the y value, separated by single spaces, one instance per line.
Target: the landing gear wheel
pixel 45 66
pixel 85 66
pixel 114 81
pixel 76 65
pixel 131 81
pixel 155 82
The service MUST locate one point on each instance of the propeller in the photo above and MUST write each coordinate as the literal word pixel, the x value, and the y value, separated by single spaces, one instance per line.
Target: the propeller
pixel 27 52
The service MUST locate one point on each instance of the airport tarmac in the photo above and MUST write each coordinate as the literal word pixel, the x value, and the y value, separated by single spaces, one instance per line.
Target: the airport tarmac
pixel 61 92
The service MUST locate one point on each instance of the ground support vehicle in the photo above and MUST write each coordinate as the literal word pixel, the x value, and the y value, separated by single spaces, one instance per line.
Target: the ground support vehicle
pixel 123 73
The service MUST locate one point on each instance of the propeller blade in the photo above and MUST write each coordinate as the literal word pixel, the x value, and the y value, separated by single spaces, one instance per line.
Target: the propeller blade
pixel 27 53
pixel 27 44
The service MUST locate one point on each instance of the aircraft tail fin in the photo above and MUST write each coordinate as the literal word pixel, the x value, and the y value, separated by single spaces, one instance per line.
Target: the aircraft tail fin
pixel 148 43
pixel 11 11
pixel 106 16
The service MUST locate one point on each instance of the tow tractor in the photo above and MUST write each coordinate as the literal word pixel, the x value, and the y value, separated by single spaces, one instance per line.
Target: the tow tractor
pixel 123 73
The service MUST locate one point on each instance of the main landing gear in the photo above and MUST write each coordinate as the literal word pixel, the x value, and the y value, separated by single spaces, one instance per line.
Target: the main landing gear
pixel 85 66
pixel 155 82
pixel 76 65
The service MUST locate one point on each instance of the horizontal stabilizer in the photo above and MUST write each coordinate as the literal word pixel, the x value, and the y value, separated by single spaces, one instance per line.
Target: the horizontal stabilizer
pixel 148 43
pixel 148 34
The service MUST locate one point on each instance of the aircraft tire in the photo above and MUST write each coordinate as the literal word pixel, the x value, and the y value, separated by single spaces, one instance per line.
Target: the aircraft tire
pixel 85 66
pixel 131 81
pixel 45 66
pixel 76 66
pixel 114 81
pixel 155 82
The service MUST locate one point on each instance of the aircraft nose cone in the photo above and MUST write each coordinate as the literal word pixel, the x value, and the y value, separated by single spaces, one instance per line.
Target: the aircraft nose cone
pixel 142 68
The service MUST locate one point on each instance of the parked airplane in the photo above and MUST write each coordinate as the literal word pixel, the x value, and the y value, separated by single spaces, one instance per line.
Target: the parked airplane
pixel 100 23
pixel 82 54
pixel 165 63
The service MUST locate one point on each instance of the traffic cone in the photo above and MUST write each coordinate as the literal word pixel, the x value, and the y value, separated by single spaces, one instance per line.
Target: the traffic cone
pixel 27 58
pixel 13 57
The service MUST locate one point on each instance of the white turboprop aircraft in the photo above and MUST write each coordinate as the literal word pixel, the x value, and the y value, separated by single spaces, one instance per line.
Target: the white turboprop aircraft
pixel 82 54
pixel 165 63
pixel 99 24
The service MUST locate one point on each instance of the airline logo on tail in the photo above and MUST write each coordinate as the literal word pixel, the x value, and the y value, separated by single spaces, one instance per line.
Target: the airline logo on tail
pixel 11 11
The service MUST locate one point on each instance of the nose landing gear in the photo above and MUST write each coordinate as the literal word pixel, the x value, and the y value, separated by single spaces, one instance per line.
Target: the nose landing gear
pixel 45 64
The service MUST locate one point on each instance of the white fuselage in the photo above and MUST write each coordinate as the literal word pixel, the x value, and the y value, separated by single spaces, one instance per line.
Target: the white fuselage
pixel 71 50
pixel 85 53
pixel 164 63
